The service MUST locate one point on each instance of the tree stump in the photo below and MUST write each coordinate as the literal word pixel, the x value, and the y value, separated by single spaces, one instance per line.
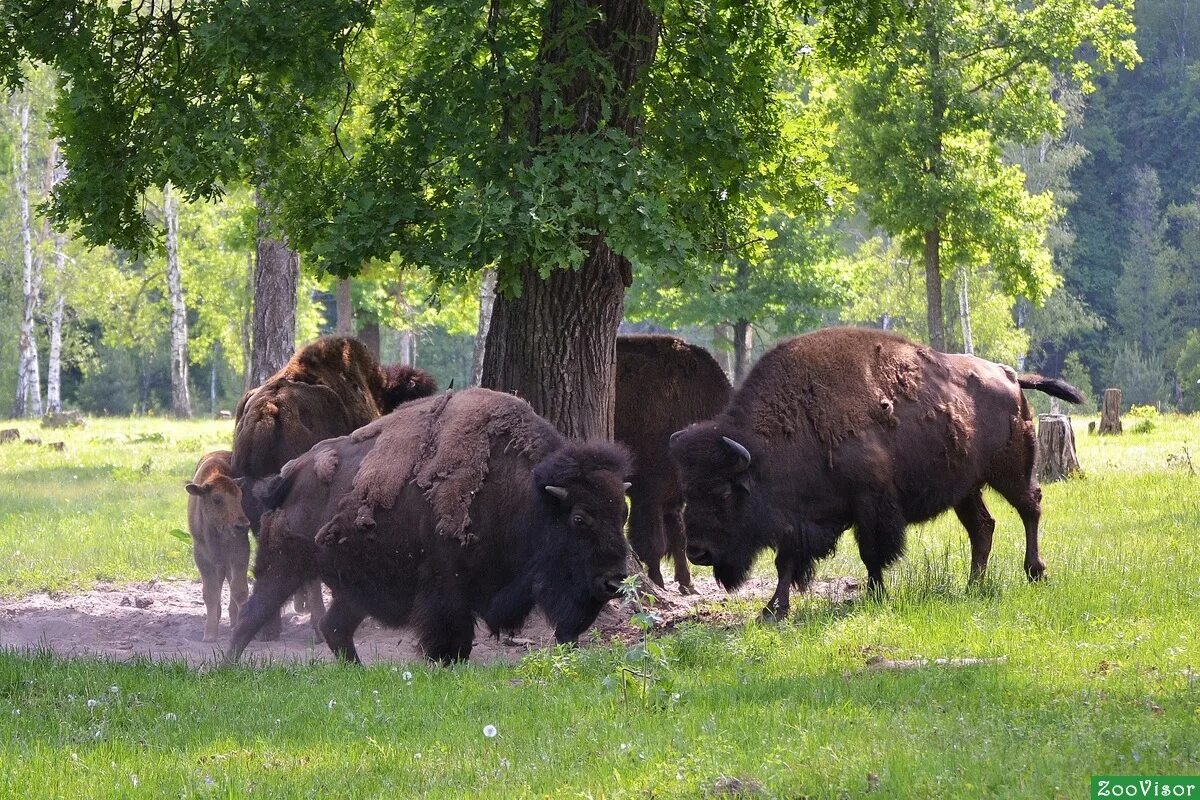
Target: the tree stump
pixel 1056 459
pixel 10 435
pixel 1110 416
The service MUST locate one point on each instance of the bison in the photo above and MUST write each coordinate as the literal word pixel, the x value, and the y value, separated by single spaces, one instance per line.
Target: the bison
pixel 327 389
pixel 663 384
pixel 454 507
pixel 220 540
pixel 848 427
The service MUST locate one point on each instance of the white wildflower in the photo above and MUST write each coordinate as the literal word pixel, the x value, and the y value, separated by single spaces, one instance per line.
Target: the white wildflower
pixel 407 676
pixel 490 731
pixel 93 703
pixel 170 716
pixel 332 703
pixel 115 689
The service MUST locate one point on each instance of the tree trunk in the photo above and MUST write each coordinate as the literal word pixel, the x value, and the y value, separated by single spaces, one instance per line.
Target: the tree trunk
pixel 54 364
pixel 181 401
pixel 368 334
pixel 964 312
pixel 1110 415
pixel 1056 459
pixel 247 326
pixel 408 337
pixel 29 387
pixel 555 345
pixel 723 347
pixel 345 308
pixel 933 290
pixel 743 349
pixel 487 300
pixel 276 282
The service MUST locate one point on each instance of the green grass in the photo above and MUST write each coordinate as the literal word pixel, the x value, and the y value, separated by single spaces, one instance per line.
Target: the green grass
pixel 1101 671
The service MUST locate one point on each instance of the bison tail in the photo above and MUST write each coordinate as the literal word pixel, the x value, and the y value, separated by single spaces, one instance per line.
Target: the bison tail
pixel 1053 387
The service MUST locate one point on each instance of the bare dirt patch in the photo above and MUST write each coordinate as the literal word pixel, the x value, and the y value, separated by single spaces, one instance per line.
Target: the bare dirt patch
pixel 165 619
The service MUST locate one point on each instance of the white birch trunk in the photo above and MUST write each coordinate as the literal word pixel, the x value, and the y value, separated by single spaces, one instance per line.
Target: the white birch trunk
pixel 964 312
pixel 181 404
pixel 54 363
pixel 487 299
pixel 29 387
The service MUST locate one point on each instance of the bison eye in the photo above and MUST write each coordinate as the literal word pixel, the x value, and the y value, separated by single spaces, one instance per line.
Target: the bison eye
pixel 577 519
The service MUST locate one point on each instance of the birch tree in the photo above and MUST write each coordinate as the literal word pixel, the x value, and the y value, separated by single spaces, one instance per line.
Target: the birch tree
pixel 487 298
pixel 58 309
pixel 29 391
pixel 181 404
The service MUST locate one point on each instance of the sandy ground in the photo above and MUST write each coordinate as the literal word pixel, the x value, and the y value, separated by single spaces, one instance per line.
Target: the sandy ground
pixel 165 619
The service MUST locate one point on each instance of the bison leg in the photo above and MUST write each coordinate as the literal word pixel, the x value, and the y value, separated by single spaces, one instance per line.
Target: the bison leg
pixel 262 608
pixel 338 625
pixel 211 577
pixel 879 529
pixel 677 545
pixel 1027 500
pixel 974 516
pixel 237 565
pixel 646 536
pixel 446 624
pixel 781 602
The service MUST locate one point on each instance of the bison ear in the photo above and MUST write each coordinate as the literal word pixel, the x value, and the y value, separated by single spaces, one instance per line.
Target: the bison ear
pixel 194 489
pixel 739 450
pixel 558 492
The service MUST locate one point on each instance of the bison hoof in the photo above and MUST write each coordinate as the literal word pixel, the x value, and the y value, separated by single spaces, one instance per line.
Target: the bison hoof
pixel 1035 571
pixel 209 637
pixel 773 614
pixel 687 588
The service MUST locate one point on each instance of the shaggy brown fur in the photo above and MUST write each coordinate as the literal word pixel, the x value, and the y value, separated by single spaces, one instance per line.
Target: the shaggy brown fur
pixel 328 388
pixel 663 384
pixel 454 507
pixel 858 428
pixel 220 541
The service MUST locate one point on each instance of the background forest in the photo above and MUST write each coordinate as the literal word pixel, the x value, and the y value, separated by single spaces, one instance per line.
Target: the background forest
pixel 1070 237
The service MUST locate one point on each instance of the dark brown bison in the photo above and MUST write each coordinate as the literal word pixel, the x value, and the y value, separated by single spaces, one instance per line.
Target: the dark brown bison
pixel 455 507
pixel 220 537
pixel 328 388
pixel 847 427
pixel 663 384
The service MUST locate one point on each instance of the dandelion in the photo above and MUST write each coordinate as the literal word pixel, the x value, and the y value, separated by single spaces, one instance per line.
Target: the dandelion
pixel 71 698
pixel 504 763
pixel 93 703
pixel 115 689
pixel 332 703
pixel 170 716
pixel 407 676
pixel 208 781
pixel 417 756
pixel 490 731
pixel 16 712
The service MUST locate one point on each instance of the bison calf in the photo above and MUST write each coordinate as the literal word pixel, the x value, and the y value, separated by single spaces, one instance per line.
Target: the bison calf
pixel 663 384
pixel 462 506
pixel 220 540
pixel 857 428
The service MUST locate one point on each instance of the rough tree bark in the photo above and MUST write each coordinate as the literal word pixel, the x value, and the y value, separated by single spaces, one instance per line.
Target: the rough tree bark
pixel 933 236
pixel 487 300
pixel 723 347
pixel 276 282
pixel 181 401
pixel 1056 458
pixel 247 326
pixel 345 308
pixel 54 360
pixel 29 388
pixel 368 334
pixel 1110 414
pixel 743 348
pixel 555 344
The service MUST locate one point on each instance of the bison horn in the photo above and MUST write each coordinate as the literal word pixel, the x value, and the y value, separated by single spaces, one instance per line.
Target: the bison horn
pixel 627 484
pixel 675 436
pixel 742 453
pixel 557 491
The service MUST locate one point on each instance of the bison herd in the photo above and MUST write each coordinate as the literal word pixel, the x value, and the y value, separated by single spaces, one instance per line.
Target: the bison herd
pixel 437 510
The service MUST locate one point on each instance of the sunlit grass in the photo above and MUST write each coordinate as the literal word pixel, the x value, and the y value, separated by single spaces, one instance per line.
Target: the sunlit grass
pixel 1096 670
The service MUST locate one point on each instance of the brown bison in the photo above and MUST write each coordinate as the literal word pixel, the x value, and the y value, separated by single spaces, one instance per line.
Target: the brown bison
pixel 220 540
pixel 663 384
pixel 327 389
pixel 455 507
pixel 847 427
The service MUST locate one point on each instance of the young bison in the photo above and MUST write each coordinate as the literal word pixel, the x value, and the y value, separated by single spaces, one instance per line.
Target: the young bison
pixel 663 384
pixel 848 427
pixel 220 541
pixel 328 388
pixel 451 508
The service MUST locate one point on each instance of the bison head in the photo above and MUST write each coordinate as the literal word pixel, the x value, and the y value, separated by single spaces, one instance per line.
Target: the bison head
pixel 583 556
pixel 716 470
pixel 221 501
pixel 402 383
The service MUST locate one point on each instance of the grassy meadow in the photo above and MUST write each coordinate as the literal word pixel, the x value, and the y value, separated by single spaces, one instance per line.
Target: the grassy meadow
pixel 1095 671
